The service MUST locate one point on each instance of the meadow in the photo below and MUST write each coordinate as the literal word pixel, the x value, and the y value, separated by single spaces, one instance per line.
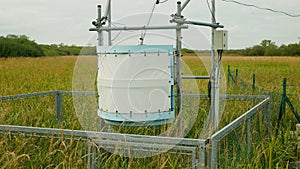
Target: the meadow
pixel 28 75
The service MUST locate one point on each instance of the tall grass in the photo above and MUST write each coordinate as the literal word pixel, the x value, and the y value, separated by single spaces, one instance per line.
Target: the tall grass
pixel 27 75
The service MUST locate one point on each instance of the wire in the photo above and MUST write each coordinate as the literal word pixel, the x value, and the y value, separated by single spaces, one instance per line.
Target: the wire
pixel 143 34
pixel 118 33
pixel 161 2
pixel 208 5
pixel 262 8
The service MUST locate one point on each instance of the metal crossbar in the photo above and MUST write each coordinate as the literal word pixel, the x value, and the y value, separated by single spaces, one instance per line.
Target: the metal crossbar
pixel 128 142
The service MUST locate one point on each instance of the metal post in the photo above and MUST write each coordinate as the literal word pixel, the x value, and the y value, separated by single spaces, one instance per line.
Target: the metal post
pixel 100 43
pixel 228 75
pixel 253 82
pixel 58 105
pixel 218 63
pixel 109 22
pixel 202 158
pixel 248 137
pixel 236 75
pixel 185 4
pixel 100 33
pixel 269 118
pixel 213 74
pixel 284 96
pixel 178 68
pixel 282 104
pixel 214 154
pixel 89 155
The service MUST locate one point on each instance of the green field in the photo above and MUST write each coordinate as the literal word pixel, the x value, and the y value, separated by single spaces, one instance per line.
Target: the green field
pixel 28 75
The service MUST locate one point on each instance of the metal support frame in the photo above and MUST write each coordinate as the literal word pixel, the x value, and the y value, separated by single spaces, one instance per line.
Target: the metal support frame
pixel 194 148
pixel 181 146
pixel 180 24
pixel 231 126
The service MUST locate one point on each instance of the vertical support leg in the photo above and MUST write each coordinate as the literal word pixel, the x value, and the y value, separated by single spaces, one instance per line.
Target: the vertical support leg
pixel 282 104
pixel 236 76
pixel 179 70
pixel 91 155
pixel 214 154
pixel 269 130
pixel 248 137
pixel 253 82
pixel 109 23
pixel 100 43
pixel 99 24
pixel 228 75
pixel 58 105
pixel 214 112
pixel 202 157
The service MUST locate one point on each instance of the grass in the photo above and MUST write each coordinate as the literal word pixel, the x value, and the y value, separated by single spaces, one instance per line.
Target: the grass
pixel 27 75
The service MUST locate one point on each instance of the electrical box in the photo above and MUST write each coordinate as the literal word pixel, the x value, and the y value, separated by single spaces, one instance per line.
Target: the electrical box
pixel 221 39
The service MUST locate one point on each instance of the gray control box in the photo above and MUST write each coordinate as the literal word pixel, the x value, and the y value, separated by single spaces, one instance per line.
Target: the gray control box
pixel 221 39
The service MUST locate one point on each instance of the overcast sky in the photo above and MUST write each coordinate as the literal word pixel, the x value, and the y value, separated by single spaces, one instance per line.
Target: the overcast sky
pixel 68 21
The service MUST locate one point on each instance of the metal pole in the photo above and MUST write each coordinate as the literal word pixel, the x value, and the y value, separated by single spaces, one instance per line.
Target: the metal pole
pixel 109 22
pixel 284 96
pixel 185 4
pixel 100 33
pixel 197 23
pixel 248 137
pixel 213 74
pixel 228 75
pixel 178 68
pixel 100 43
pixel 59 105
pixel 214 154
pixel 218 63
pixel 253 82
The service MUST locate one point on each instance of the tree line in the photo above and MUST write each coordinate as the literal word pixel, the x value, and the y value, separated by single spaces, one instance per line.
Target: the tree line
pixel 268 48
pixel 21 45
pixel 13 46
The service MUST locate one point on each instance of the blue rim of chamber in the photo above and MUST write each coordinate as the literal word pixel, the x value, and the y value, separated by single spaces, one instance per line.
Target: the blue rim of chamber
pixel 151 119
pixel 142 119
pixel 131 49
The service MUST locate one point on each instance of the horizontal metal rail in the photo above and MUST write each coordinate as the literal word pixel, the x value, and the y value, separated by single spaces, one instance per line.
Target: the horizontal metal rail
pixel 227 97
pixel 182 21
pixel 105 135
pixel 79 92
pixel 37 94
pixel 22 96
pixel 225 130
pixel 132 28
pixel 195 77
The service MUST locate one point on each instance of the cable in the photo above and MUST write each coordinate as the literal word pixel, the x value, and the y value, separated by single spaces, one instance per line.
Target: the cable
pixel 161 2
pixel 208 5
pixel 262 8
pixel 143 33
pixel 118 33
